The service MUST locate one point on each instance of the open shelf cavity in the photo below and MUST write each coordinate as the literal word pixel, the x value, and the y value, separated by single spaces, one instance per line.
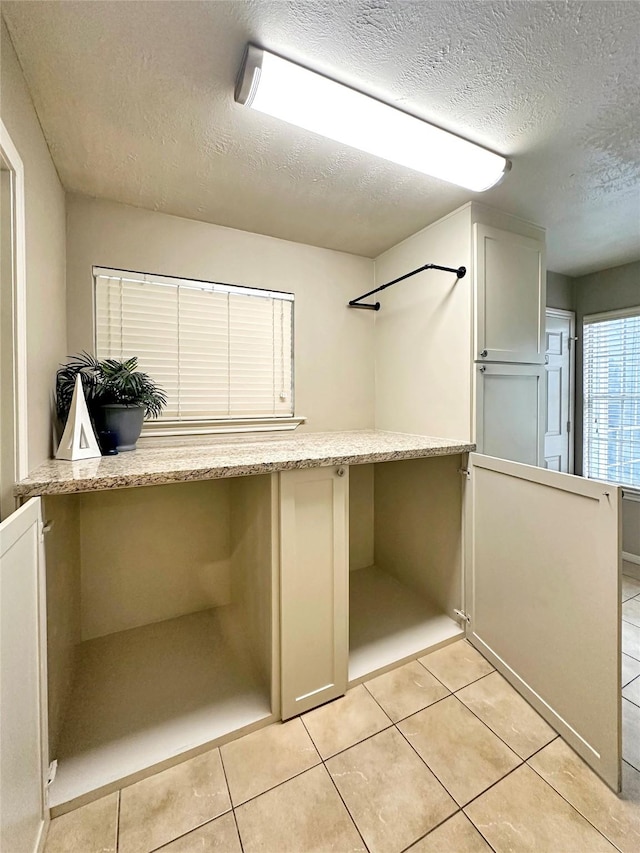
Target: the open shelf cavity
pixel 151 693
pixel 389 623
pixel 405 555
pixel 160 607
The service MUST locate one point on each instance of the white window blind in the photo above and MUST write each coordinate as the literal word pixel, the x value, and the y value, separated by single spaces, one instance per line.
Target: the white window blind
pixel 611 354
pixel 218 351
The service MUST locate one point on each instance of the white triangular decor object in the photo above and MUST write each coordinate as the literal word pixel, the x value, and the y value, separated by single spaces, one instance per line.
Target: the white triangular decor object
pixel 78 439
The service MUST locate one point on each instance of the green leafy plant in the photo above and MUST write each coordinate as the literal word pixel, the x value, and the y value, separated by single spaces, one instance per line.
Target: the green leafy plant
pixel 106 382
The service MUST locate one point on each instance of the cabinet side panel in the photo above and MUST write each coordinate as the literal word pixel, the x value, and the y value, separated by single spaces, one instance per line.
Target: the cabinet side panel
pixel 247 620
pixel 62 549
pixel 361 516
pixel 314 587
pixel 153 553
pixel 423 333
pixel 418 535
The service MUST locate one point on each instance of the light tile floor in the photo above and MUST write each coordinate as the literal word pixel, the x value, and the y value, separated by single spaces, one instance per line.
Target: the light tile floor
pixel 438 756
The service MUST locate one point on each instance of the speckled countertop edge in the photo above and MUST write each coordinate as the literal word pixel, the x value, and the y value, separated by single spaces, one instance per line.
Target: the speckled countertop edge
pixel 215 458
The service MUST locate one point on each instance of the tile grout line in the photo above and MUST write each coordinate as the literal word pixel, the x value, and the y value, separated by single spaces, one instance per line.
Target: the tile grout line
pixel 571 805
pixel 208 820
pixel 118 820
pixel 521 760
pixel 328 772
pixel 233 808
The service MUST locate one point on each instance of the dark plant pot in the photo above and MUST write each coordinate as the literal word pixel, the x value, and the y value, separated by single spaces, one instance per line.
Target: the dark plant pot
pixel 125 422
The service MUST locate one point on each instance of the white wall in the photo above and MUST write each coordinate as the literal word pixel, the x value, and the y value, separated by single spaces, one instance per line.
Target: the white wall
pixel 334 362
pixel 423 333
pixel 45 249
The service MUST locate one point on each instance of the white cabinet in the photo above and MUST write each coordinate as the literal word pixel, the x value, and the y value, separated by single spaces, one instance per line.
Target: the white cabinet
pixel 314 567
pixel 164 607
pixel 510 296
pixel 510 292
pixel 510 407
pixel 23 696
pixel 530 556
pixel 543 594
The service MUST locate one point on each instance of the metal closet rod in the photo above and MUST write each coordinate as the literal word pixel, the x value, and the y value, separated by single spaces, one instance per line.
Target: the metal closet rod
pixel 375 306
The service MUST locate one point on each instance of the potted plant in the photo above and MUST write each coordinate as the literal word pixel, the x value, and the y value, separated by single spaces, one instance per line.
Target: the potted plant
pixel 118 396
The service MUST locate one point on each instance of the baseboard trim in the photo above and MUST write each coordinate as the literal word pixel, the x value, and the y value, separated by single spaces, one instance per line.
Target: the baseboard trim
pixel 632 569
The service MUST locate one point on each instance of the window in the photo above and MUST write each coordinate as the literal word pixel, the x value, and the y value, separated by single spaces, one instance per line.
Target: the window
pixel 611 354
pixel 222 353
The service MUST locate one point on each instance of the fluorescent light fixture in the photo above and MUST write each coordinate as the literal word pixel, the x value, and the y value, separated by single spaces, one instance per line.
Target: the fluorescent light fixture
pixel 296 95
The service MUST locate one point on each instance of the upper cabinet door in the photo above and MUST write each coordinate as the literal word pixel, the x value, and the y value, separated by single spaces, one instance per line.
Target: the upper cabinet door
pixel 510 296
pixel 23 699
pixel 543 595
pixel 314 583
pixel 510 410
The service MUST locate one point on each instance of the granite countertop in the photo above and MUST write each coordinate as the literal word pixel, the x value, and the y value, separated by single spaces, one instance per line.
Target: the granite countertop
pixel 212 458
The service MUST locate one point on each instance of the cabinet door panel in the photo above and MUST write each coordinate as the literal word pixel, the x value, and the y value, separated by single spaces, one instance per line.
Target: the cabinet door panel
pixel 510 411
pixel 510 296
pixel 543 593
pixel 22 680
pixel 314 587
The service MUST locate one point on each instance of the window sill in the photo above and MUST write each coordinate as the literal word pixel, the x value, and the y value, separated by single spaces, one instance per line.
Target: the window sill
pixel 152 429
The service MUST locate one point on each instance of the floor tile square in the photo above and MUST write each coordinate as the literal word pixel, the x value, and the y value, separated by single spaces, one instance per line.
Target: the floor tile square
pixel 406 690
pixel 457 664
pixel 618 818
pixel 161 808
pixel 631 611
pixel 392 796
pixel 631 640
pixel 522 813
pixel 630 669
pixel 631 733
pixel 217 836
pixel 630 587
pixel 303 814
pixel 507 714
pixel 345 721
pixel 91 829
pixel 463 753
pixel 263 759
pixel 456 835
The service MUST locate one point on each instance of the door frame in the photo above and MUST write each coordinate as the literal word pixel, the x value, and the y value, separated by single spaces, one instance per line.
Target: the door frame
pixel 571 316
pixel 10 155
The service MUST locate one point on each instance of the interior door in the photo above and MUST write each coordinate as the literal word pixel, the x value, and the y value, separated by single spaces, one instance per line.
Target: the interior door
pixel 558 445
pixel 543 562
pixel 23 745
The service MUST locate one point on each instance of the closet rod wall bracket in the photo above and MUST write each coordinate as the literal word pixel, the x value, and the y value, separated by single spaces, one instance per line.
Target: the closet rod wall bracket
pixel 375 306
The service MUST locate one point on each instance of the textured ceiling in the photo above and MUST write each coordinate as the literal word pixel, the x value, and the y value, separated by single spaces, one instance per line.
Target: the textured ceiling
pixel 136 103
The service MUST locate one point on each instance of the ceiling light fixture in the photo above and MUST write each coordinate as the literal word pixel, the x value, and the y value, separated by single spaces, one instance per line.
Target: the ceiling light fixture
pixel 296 95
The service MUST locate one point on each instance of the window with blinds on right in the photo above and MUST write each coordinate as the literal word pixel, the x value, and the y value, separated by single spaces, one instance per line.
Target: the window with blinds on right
pixel 611 391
